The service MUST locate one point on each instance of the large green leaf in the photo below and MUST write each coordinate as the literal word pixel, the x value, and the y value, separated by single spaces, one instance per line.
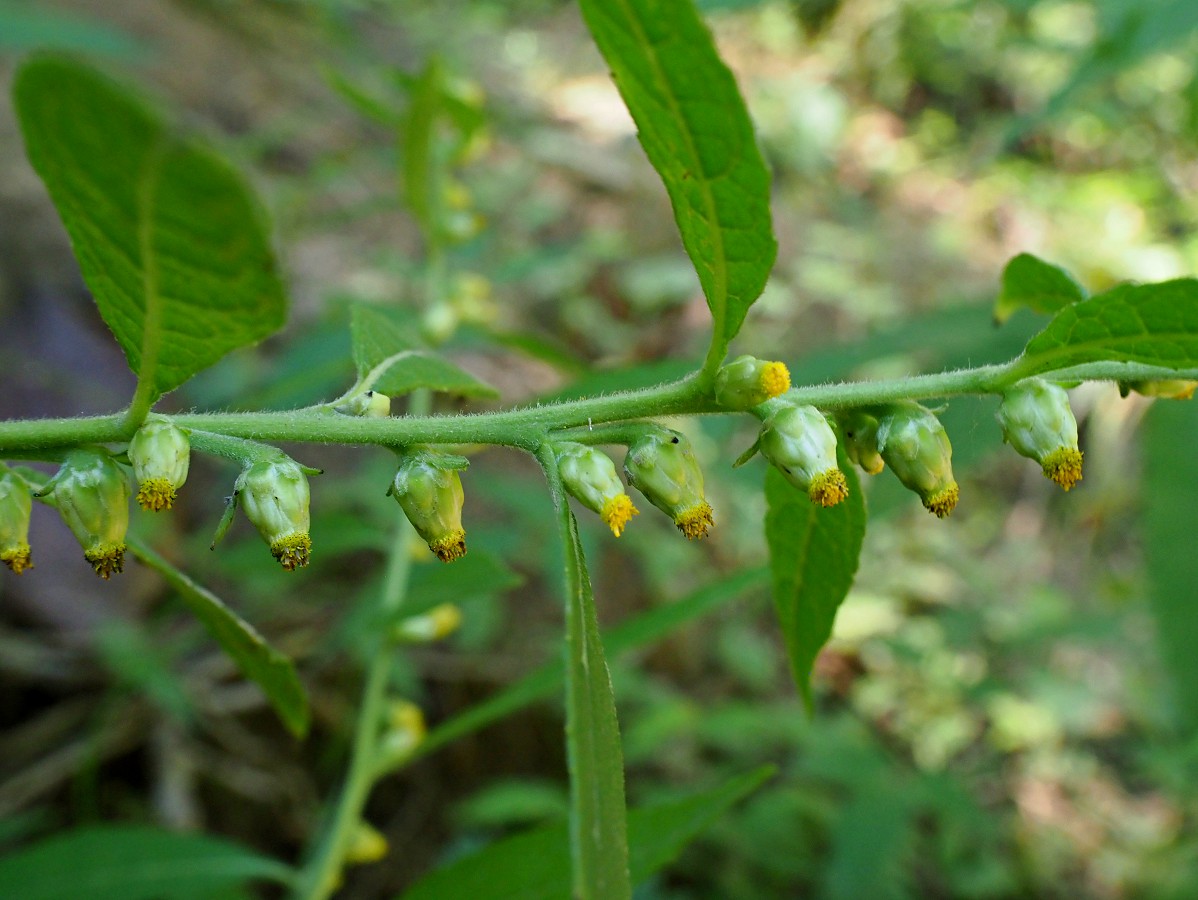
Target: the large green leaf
pixel 598 826
pixel 697 134
pixel 1028 281
pixel 132 862
pixel 169 238
pixel 813 558
pixel 387 354
pixel 1153 324
pixel 1170 523
pixel 536 865
pixel 258 661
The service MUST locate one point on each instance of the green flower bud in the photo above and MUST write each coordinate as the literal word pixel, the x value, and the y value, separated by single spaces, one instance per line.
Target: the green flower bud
pixel 748 381
pixel 439 622
pixel 274 494
pixel 16 505
pixel 160 454
pixel 590 477
pixel 662 466
pixel 860 432
pixel 1037 421
pixel 370 405
pixel 92 496
pixel 429 490
pixel 801 444
pixel 915 446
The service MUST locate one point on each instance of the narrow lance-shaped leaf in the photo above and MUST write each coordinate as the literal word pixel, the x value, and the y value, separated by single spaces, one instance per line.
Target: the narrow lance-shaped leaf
pixel 1028 281
pixel 695 129
pixel 257 660
pixel 813 558
pixel 1152 324
pixel 169 239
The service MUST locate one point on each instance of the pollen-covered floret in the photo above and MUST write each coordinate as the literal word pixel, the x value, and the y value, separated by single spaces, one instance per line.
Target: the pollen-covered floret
pixel 747 381
pixel 16 505
pixel 915 446
pixel 662 466
pixel 800 443
pixel 590 477
pixel 1038 423
pixel 91 493
pixel 160 454
pixel 275 496
pixel 427 487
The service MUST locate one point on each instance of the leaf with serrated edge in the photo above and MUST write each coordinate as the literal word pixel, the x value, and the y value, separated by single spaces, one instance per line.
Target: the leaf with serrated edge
pixel 257 660
pixel 813 558
pixel 1152 324
pixel 695 129
pixel 169 239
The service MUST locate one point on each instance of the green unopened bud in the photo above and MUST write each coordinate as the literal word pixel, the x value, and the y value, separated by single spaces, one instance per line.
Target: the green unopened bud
pixel 369 405
pixel 860 432
pixel 430 492
pixel 801 444
pixel 662 466
pixel 274 494
pixel 1037 421
pixel 16 505
pixel 916 447
pixel 438 623
pixel 366 845
pixel 1167 388
pixel 748 381
pixel 160 454
pixel 590 477
pixel 404 729
pixel 92 496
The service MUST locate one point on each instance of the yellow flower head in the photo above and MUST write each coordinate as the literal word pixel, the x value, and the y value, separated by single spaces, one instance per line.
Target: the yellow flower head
pixel 16 505
pixel 1037 421
pixel 92 496
pixel 275 496
pixel 915 446
pixel 747 381
pixel 662 466
pixel 801 445
pixel 589 476
pixel 160 454
pixel 429 491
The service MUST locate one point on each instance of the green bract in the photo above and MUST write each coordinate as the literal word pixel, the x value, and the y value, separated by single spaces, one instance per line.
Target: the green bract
pixel 160 454
pixel 428 488
pixel 916 447
pixel 92 496
pixel 662 466
pixel 799 441
pixel 274 494
pixel 16 505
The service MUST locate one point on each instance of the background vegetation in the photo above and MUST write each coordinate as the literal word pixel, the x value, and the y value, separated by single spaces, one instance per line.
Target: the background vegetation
pixel 1008 706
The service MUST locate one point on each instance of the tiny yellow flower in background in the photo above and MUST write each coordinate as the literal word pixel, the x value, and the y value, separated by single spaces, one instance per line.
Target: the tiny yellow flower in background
pixel 915 446
pixel 403 731
pixel 429 491
pixel 747 381
pixel 590 477
pixel 800 443
pixel 439 622
pixel 160 454
pixel 91 493
pixel 366 845
pixel 662 466
pixel 16 506
pixel 275 496
pixel 1038 423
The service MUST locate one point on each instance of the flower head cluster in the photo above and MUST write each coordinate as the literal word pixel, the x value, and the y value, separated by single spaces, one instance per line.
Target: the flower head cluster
pixel 662 466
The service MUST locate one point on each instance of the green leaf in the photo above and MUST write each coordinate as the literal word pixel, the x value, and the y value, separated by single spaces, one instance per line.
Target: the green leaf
pixel 813 558
pixel 645 628
pixel 1152 324
pixel 598 828
pixel 536 865
pixel 387 355
pixel 1170 523
pixel 258 661
pixel 169 239
pixel 131 862
pixel 1028 281
pixel 696 131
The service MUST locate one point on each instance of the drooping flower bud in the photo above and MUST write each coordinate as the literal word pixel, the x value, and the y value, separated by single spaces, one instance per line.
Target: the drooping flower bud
pixel 915 446
pixel 748 381
pixel 274 494
pixel 92 496
pixel 801 444
pixel 1168 388
pixel 430 492
pixel 160 454
pixel 16 505
pixel 590 477
pixel 860 432
pixel 1037 421
pixel 369 405
pixel 438 623
pixel 662 466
